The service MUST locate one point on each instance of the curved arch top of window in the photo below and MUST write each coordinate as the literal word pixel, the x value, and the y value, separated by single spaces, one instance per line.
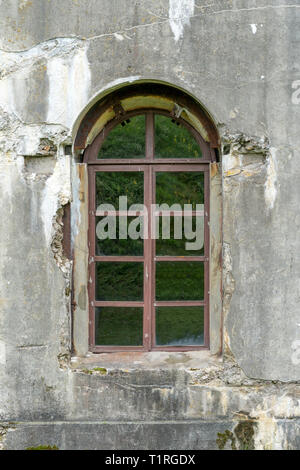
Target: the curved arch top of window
pixel 150 135
pixel 171 139
pixel 154 118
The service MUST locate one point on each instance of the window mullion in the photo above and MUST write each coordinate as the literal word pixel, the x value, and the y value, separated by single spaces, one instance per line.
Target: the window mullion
pixel 148 267
pixel 150 136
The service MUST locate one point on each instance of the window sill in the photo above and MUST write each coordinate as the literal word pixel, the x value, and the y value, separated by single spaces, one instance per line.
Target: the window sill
pixel 146 360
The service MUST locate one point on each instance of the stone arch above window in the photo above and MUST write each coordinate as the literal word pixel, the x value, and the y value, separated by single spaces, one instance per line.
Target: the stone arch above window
pixel 140 98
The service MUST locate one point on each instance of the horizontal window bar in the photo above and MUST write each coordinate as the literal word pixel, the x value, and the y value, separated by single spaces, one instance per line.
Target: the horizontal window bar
pixel 182 213
pixel 120 213
pixel 116 161
pixel 181 258
pixel 125 259
pixel 178 348
pixel 179 303
pixel 155 212
pixel 117 303
pixel 99 349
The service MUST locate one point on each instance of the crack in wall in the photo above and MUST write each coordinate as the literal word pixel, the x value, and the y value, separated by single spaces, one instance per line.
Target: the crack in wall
pixel 181 16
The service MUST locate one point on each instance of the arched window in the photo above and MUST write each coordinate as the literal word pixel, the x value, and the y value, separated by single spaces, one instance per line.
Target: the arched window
pixel 147 167
pixel 148 234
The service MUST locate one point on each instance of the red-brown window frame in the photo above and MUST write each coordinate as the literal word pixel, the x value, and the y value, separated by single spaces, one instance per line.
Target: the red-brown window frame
pixel 149 165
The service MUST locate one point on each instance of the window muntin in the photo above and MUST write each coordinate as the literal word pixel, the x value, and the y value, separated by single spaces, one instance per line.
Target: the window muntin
pixel 119 289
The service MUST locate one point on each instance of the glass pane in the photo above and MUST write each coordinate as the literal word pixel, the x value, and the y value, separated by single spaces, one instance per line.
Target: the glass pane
pixel 110 185
pixel 126 140
pixel 110 229
pixel 180 188
pixel 118 326
pixel 182 280
pixel 119 281
pixel 173 140
pixel 180 236
pixel 180 326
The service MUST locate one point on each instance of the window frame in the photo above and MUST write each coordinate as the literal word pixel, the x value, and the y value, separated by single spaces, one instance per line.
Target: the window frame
pixel 149 165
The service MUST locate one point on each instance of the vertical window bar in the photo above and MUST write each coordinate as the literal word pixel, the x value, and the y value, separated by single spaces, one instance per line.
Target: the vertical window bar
pixel 91 261
pixel 150 136
pixel 207 257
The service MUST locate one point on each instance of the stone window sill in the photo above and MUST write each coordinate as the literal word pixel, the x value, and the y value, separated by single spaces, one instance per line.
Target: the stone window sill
pixel 146 360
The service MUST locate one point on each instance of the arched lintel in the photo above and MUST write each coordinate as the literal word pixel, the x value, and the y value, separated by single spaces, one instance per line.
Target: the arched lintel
pixel 140 95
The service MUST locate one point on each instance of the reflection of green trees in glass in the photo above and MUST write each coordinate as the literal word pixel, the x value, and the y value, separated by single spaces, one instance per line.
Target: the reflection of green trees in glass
pixel 180 188
pixel 119 326
pixel 119 281
pixel 127 141
pixel 173 141
pixel 179 326
pixel 119 247
pixel 172 246
pixel 112 184
pixel 179 280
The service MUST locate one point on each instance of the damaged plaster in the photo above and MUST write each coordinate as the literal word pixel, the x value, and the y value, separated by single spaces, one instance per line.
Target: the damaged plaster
pixel 61 65
pixel 180 12
pixel 271 182
pixel 52 70
pixel 57 193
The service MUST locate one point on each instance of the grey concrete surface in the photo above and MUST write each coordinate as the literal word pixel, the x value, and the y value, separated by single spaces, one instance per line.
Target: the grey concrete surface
pixel 240 60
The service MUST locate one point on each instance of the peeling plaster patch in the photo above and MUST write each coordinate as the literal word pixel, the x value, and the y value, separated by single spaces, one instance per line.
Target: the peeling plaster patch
pixel 269 436
pixel 24 3
pixel 68 73
pixel 254 28
pixel 75 213
pixel 7 96
pixel 228 289
pixel 271 182
pixel 180 12
pixel 119 36
pixel 57 243
pixel 233 113
pixel 2 353
pixel 69 85
pixel 57 193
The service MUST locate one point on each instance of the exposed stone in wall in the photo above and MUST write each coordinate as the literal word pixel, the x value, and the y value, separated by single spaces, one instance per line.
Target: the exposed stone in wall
pixel 228 290
pixel 4 429
pixel 57 243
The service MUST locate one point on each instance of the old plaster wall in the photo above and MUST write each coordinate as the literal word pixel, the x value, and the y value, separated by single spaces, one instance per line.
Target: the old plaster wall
pixel 239 59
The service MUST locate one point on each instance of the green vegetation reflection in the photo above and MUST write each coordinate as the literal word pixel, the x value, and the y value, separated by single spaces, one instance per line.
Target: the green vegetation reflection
pixel 179 326
pixel 119 326
pixel 182 280
pixel 126 140
pixel 117 281
pixel 178 247
pixel 180 188
pixel 117 246
pixel 173 140
pixel 110 185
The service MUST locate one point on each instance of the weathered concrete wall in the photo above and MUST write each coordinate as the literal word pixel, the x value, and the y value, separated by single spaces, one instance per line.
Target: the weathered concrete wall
pixel 239 59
